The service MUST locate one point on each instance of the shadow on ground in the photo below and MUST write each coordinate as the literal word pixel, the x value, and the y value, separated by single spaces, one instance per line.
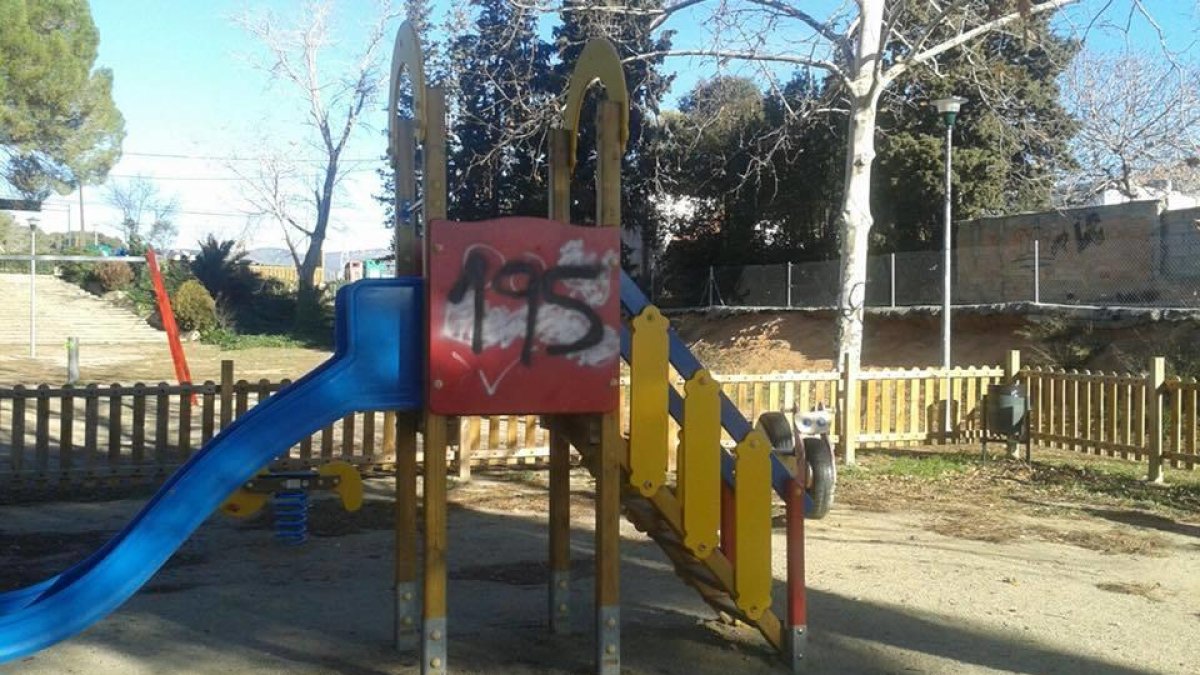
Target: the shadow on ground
pixel 245 603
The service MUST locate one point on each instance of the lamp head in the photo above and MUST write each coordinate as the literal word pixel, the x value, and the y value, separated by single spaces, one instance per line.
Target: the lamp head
pixel 948 108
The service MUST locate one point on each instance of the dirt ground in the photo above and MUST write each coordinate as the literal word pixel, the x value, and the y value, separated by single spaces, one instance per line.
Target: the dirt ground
pixel 105 364
pixel 930 564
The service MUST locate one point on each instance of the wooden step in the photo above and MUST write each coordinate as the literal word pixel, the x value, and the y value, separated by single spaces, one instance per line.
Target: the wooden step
pixel 660 517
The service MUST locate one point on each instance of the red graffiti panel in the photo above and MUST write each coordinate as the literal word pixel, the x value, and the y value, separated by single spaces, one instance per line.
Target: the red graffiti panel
pixel 524 317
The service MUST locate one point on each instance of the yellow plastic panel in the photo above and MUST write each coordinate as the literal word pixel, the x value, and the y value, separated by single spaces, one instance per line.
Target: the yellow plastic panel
pixel 752 513
pixel 700 464
pixel 243 504
pixel 349 488
pixel 648 373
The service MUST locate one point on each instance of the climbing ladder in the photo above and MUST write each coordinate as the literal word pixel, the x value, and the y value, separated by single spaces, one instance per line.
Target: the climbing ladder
pixel 714 522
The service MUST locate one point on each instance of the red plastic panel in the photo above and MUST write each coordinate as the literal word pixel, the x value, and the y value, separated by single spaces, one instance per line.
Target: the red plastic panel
pixel 524 317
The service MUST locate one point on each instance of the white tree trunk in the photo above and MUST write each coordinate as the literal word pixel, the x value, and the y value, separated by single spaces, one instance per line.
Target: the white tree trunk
pixel 855 226
pixel 865 84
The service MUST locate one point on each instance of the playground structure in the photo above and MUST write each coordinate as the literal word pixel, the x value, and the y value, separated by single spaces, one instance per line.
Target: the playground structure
pixel 515 316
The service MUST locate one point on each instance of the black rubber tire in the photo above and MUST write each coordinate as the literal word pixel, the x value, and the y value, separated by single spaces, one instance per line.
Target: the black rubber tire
pixel 819 456
pixel 778 429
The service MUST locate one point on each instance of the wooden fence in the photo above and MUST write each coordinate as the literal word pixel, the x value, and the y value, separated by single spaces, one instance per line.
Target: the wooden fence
pixel 50 435
pixel 1131 416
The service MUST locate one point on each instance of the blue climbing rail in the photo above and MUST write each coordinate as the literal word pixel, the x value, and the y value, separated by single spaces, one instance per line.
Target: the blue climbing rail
pixel 377 365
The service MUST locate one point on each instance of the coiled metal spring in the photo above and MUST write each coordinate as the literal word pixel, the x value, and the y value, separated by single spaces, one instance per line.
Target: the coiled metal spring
pixel 291 516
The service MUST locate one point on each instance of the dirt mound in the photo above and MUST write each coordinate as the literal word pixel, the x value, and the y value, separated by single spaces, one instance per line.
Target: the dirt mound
pixel 760 342
pixel 774 341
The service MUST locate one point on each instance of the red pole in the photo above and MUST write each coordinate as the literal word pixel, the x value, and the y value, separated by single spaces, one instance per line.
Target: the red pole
pixel 168 319
pixel 797 609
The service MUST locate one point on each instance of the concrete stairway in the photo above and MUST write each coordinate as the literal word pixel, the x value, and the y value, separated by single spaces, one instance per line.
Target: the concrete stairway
pixel 65 310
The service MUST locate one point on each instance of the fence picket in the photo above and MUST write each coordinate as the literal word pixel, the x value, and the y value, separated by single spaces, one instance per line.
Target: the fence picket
pixel 327 443
pixel 91 425
pixel 162 419
pixel 138 430
pixel 185 426
pixel 66 429
pixel 1176 428
pixel 17 460
pixel 43 428
pixel 872 402
pixel 887 407
pixel 1192 393
pixel 114 426
pixel 531 431
pixel 368 435
pixel 348 436
pixel 207 411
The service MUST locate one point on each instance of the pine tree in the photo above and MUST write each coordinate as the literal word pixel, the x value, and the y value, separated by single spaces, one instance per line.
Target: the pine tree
pixel 59 126
pixel 502 112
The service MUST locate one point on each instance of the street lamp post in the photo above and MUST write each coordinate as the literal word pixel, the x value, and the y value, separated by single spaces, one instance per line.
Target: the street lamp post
pixel 948 108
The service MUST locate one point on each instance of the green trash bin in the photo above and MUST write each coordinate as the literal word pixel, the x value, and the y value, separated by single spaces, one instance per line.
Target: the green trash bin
pixel 1006 415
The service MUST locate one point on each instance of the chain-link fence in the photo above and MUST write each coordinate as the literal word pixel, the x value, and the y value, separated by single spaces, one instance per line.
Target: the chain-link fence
pixel 1159 270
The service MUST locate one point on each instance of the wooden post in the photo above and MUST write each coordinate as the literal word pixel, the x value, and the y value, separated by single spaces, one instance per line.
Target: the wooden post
pixel 797 594
pixel 405 573
pixel 433 619
pixel 608 547
pixel 560 532
pixel 848 416
pixel 560 449
pixel 226 392
pixel 1012 373
pixel 389 435
pixel 1154 408
pixel 404 439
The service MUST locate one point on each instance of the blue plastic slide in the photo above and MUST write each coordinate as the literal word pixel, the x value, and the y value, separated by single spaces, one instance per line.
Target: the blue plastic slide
pixel 377 365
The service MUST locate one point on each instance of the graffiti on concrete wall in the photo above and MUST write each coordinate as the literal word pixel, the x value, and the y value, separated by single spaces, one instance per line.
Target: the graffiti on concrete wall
pixel 1083 233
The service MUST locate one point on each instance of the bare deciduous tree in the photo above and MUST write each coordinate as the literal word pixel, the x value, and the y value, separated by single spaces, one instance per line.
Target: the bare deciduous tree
pixel 296 47
pixel 865 46
pixel 1139 119
pixel 146 215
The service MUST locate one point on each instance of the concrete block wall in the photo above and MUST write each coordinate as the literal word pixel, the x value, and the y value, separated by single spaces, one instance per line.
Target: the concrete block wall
pixel 1085 255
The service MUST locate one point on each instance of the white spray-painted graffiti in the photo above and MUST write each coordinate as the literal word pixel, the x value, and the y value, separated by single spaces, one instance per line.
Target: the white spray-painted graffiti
pixel 554 314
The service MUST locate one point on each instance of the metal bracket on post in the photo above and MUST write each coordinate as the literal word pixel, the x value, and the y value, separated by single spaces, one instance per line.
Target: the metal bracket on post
pixel 433 647
pixel 560 602
pixel 797 646
pixel 407 615
pixel 608 646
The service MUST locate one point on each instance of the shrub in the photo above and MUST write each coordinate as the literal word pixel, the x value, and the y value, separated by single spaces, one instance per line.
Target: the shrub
pixel 113 276
pixel 194 308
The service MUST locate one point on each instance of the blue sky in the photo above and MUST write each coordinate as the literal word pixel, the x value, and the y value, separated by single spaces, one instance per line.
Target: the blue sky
pixel 195 107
